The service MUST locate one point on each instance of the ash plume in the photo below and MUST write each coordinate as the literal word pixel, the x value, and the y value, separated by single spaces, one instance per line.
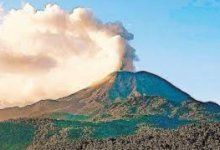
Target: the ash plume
pixel 50 53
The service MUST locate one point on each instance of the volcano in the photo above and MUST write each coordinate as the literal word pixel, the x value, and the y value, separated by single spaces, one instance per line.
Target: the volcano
pixel 121 85
pixel 125 107
pixel 116 86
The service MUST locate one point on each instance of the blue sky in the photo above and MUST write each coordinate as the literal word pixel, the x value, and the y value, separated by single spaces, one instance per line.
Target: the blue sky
pixel 176 39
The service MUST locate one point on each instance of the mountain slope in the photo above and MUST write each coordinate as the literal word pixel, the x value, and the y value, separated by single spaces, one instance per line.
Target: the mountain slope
pixel 118 86
pixel 118 110
pixel 121 85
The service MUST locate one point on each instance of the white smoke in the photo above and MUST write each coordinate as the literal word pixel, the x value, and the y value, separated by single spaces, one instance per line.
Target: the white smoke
pixel 50 53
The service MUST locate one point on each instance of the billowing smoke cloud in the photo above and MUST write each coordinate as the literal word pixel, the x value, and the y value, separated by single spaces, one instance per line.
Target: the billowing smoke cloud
pixel 50 53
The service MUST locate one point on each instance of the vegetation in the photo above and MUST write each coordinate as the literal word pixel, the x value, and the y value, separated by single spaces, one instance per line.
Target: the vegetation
pixel 67 116
pixel 145 122
pixel 198 137
pixel 15 136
